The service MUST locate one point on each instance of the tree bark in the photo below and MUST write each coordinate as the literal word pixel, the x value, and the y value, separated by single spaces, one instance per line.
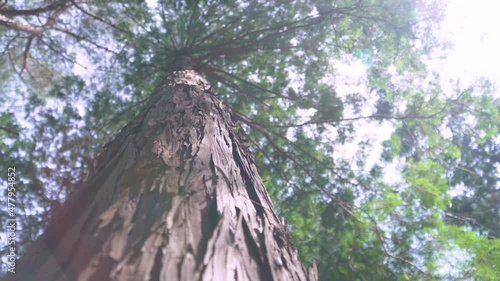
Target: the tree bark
pixel 175 196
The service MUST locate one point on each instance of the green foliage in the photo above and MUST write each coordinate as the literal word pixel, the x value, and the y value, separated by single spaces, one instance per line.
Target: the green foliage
pixel 280 66
pixel 429 185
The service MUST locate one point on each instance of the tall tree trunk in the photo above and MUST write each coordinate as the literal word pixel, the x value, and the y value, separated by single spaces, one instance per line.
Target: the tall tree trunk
pixel 174 197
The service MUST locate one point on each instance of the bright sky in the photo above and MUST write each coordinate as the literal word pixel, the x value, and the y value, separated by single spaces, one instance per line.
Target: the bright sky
pixel 474 29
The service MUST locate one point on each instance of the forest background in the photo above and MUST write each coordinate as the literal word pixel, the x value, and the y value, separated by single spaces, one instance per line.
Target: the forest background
pixel 374 124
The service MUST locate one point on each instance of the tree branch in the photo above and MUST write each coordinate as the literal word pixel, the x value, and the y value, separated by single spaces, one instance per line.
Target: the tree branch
pixel 3 4
pixel 32 12
pixel 100 19
pixel 33 29
pixel 26 52
pixel 390 254
pixel 8 44
pixel 10 131
pixel 78 37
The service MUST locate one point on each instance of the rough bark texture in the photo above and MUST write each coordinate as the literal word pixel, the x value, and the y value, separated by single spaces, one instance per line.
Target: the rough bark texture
pixel 174 197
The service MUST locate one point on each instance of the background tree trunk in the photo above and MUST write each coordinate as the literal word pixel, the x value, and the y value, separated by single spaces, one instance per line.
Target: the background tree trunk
pixel 174 197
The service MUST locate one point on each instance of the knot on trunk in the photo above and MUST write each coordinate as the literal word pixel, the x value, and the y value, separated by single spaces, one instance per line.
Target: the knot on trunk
pixel 182 62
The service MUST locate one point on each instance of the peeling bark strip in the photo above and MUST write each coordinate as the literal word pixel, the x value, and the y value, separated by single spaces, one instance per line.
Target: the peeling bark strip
pixel 174 197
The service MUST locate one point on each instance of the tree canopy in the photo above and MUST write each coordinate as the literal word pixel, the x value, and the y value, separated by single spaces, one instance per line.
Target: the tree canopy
pixel 379 171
